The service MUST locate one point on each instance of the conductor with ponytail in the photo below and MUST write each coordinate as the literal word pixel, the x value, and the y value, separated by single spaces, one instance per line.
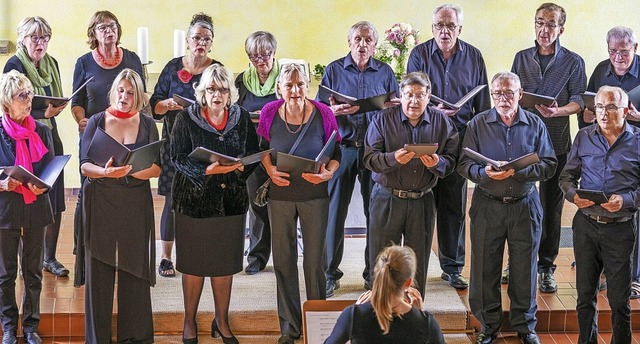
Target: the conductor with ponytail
pixel 392 311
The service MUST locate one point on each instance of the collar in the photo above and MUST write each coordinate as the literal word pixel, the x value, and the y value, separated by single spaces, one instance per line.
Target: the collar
pixel 232 121
pixel 520 117
pixel 634 70
pixel 460 47
pixel 593 130
pixel 425 119
pixel 556 51
pixel 348 61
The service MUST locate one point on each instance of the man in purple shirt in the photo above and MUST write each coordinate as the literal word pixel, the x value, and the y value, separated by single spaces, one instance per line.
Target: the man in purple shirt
pixel 505 208
pixel 552 70
pixel 604 157
pixel 361 76
pixel 402 207
pixel 454 68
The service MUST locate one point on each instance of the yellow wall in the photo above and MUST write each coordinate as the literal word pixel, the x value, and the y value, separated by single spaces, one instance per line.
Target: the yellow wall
pixel 312 30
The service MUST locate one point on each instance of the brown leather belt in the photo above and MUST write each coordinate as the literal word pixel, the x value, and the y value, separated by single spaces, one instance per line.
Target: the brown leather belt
pixel 608 220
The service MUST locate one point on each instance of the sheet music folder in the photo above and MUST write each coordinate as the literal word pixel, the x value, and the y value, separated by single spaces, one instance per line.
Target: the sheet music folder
pixel 209 156
pixel 460 102
pixel 103 147
pixel 530 100
pixel 45 179
pixel 42 102
pixel 516 164
pixel 184 102
pixel 298 165
pixel 597 196
pixel 421 148
pixel 368 104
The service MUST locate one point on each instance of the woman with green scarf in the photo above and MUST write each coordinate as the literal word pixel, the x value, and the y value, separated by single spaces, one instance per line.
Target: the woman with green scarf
pixel 32 60
pixel 256 87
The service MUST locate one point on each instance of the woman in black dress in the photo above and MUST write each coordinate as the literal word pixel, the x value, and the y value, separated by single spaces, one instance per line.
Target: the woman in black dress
pixel 118 221
pixel 210 200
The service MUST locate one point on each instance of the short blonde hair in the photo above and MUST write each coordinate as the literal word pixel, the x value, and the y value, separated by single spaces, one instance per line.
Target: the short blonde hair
pixel 287 71
pixel 138 89
pixel 10 83
pixel 219 75
pixel 30 25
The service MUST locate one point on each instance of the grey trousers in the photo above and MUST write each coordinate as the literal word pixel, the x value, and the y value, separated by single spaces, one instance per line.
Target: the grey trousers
pixel 283 216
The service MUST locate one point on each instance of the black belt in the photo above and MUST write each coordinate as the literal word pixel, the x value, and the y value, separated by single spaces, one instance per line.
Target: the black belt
pixel 608 220
pixel 352 144
pixel 404 194
pixel 508 199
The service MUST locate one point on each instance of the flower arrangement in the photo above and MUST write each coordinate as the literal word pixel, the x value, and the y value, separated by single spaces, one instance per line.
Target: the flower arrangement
pixel 398 42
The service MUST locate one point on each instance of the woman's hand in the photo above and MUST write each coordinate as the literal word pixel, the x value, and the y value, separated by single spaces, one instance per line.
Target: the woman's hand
pixel 320 177
pixel 278 177
pixel 413 297
pixel 171 105
pixel 111 171
pixel 36 190
pixel 53 111
pixel 9 184
pixel 216 168
pixel 364 297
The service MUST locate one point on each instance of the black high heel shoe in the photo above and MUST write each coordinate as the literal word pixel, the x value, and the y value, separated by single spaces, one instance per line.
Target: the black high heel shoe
pixel 215 332
pixel 191 340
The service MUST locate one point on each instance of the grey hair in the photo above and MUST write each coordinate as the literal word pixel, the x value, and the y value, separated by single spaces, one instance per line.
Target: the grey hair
pixel 218 75
pixel 455 8
pixel 10 83
pixel 287 71
pixel 260 41
pixel 550 6
pixel 203 20
pixel 416 78
pixel 30 25
pixel 622 33
pixel 507 76
pixel 363 24
pixel 620 95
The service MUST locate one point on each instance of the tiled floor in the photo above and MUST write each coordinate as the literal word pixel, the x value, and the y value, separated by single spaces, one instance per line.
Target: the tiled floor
pixel 62 305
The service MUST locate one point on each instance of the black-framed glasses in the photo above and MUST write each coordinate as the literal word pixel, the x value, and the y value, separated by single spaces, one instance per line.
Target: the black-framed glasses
pixel 112 27
pixel 213 90
pixel 609 108
pixel 205 40
pixel 621 53
pixel 43 39
pixel 264 56
pixel 24 96
pixel 508 94
pixel 550 26
pixel 417 97
pixel 440 26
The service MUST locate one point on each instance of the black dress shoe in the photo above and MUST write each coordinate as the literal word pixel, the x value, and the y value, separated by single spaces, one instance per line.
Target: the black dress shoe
pixel 547 283
pixel 9 338
pixel 286 339
pixel 455 280
pixel 484 338
pixel 332 285
pixel 253 268
pixel 32 338
pixel 529 338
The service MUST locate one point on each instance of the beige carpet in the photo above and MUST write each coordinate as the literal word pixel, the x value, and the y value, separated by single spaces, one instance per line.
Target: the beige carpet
pixel 253 300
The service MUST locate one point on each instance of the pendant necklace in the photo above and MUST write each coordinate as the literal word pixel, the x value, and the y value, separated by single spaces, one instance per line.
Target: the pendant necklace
pixel 286 124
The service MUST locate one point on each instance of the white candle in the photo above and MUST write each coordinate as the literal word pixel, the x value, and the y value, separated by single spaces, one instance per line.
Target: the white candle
pixel 178 43
pixel 143 44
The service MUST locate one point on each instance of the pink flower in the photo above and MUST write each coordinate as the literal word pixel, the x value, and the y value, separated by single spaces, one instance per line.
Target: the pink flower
pixel 184 75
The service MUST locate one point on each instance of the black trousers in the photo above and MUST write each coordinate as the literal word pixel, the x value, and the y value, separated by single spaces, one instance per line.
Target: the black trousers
pixel 552 200
pixel 32 241
pixel 451 203
pixel 607 246
pixel 259 227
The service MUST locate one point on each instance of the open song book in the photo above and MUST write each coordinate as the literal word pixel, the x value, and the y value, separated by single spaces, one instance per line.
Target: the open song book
pixel 367 104
pixel 297 165
pixel 516 164
pixel 459 103
pixel 209 156
pixel 42 102
pixel 43 180
pixel 103 147
pixel 184 102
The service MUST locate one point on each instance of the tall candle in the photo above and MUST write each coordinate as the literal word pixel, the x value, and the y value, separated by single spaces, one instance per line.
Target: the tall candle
pixel 178 43
pixel 143 44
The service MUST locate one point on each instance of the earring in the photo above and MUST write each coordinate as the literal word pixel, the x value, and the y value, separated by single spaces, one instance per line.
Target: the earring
pixel 188 47
pixel 209 51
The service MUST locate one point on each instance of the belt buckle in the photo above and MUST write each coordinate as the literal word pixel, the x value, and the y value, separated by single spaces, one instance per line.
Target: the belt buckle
pixel 600 221
pixel 403 194
pixel 507 199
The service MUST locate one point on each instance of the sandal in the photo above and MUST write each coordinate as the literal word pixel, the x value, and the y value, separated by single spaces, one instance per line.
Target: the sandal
pixel 635 290
pixel 165 269
pixel 56 268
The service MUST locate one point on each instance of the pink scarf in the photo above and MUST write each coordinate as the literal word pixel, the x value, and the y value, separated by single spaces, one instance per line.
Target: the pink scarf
pixel 25 156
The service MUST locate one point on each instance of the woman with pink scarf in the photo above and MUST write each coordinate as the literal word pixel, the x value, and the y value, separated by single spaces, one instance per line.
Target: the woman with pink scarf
pixel 24 209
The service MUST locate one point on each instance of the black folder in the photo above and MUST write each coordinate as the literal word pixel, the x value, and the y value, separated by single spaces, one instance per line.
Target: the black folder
pixel 421 148
pixel 209 156
pixel 460 102
pixel 530 100
pixel 368 104
pixel 297 165
pixel 634 96
pixel 184 102
pixel 589 99
pixel 598 197
pixel 103 147
pixel 45 179
pixel 42 102
pixel 516 164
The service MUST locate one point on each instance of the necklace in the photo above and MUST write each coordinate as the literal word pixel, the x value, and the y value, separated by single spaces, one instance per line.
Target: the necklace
pixel 286 124
pixel 116 58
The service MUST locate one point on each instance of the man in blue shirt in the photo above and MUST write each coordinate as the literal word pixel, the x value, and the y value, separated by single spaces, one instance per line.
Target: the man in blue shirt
pixel 604 157
pixel 402 205
pixel 552 70
pixel 361 76
pixel 505 207
pixel 455 68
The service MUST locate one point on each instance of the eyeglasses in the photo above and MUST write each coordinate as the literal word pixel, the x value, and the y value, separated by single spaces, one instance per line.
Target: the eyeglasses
pixel 43 39
pixel 417 97
pixel 24 96
pixel 213 90
pixel 621 53
pixel 508 94
pixel 610 108
pixel 439 27
pixel 112 27
pixel 550 26
pixel 264 56
pixel 205 40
